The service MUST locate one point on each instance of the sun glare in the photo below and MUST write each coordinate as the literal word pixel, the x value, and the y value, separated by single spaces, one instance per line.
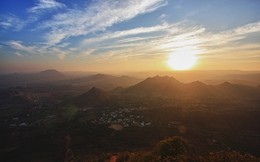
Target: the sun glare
pixel 182 59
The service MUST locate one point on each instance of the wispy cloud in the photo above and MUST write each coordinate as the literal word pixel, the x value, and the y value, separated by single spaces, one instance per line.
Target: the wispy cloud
pixel 19 54
pixel 40 50
pixel 232 35
pixel 11 22
pixel 96 17
pixel 44 5
pixel 125 33
pixel 248 28
pixel 20 47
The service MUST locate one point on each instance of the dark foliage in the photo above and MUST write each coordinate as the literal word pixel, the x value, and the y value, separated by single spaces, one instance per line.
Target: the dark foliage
pixel 173 146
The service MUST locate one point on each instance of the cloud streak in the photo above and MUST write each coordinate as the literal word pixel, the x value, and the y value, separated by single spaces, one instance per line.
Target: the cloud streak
pixel 126 33
pixel 44 5
pixel 11 22
pixel 96 17
pixel 22 49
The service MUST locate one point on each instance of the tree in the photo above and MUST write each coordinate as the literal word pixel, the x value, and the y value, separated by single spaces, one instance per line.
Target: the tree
pixel 173 146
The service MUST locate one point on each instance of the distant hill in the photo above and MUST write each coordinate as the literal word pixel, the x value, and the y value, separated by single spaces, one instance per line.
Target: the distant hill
pixel 156 86
pixel 18 79
pixel 50 73
pixel 93 97
pixel 252 79
pixel 237 90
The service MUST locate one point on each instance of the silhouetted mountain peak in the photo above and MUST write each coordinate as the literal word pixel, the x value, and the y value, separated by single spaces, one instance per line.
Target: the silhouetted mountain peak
pixel 95 91
pixel 162 79
pixel 198 84
pixel 157 86
pixel 50 73
pixel 226 84
pixel 94 96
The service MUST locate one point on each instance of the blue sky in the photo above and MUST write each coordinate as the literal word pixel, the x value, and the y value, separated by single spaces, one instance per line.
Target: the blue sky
pixel 127 34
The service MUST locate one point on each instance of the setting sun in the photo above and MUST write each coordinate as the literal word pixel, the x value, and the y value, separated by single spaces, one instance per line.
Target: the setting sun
pixel 182 59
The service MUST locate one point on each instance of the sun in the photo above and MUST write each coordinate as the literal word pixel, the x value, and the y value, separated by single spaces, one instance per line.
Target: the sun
pixel 182 59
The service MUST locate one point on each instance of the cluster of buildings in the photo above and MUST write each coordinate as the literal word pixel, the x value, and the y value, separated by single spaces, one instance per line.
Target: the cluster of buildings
pixel 124 117
pixel 16 122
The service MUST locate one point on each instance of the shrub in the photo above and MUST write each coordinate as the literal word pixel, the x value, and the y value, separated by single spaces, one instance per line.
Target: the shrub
pixel 143 156
pixel 173 146
pixel 69 113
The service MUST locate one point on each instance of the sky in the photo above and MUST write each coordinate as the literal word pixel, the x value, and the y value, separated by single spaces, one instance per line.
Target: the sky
pixel 128 35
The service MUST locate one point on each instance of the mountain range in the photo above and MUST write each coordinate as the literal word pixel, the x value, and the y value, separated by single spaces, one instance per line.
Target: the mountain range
pixel 56 78
pixel 170 88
